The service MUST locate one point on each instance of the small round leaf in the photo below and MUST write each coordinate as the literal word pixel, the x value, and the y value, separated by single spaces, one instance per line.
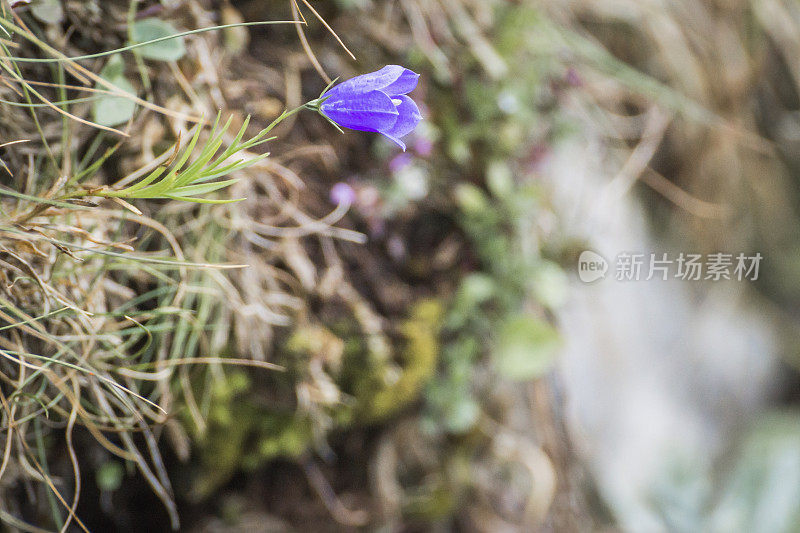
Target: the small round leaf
pixel 526 348
pixel 150 29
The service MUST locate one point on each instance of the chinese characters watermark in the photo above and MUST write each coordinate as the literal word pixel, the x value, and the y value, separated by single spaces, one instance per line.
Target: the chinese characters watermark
pixel 628 266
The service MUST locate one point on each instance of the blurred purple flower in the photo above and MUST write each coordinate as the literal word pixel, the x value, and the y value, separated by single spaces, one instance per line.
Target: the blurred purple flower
pixel 423 147
pixel 342 193
pixel 377 102
pixel 399 162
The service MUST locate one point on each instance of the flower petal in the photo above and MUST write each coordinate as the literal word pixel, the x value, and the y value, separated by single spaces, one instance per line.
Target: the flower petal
pixel 405 83
pixel 407 120
pixel 399 79
pixel 397 141
pixel 372 111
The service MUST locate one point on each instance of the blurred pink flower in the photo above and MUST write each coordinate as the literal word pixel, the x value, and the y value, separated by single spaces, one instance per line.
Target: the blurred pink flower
pixel 342 193
pixel 423 147
pixel 399 162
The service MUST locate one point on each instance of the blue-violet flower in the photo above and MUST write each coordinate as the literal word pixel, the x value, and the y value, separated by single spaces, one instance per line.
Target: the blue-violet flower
pixel 376 101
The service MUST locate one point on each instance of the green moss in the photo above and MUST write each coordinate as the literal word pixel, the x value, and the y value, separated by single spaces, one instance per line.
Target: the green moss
pixel 244 432
pixel 222 446
pixel 436 502
pixel 379 399
pixel 284 435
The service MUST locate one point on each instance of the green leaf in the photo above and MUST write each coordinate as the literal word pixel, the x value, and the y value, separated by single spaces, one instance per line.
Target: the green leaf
pixel 462 414
pixel 114 69
pixel 203 188
pixel 202 200
pixel 471 199
pixel 150 29
pixel 109 476
pixel 550 284
pixel 111 110
pixel 175 182
pixel 453 405
pixel 526 348
pixel 475 289
pixel 500 179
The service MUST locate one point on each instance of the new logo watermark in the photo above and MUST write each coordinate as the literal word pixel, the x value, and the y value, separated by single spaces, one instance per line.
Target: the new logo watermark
pixel 591 266
pixel 629 266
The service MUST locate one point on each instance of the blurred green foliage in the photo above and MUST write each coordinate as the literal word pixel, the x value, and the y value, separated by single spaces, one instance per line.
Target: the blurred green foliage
pixel 245 432
pixel 110 110
pixel 498 311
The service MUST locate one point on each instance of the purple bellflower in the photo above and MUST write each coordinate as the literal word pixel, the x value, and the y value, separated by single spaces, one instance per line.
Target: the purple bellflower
pixel 376 101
